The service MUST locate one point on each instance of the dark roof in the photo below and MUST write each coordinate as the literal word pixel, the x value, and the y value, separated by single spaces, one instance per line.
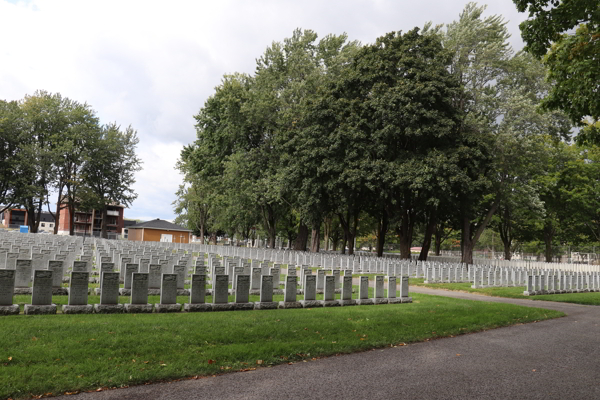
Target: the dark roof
pixel 128 222
pixel 159 224
pixel 46 217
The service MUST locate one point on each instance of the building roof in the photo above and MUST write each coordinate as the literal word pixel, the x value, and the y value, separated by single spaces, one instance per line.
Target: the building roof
pixel 160 224
pixel 129 222
pixel 46 217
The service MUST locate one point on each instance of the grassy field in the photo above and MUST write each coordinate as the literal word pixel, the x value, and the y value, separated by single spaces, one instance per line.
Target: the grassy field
pixel 514 292
pixel 68 353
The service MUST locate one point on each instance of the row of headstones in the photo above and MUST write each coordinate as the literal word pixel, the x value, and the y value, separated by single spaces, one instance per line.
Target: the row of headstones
pixel 41 300
pixel 486 276
pixel 552 282
pixel 527 264
pixel 445 273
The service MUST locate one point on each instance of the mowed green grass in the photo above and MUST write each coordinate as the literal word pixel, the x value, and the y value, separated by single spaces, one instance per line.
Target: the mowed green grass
pixel 592 298
pixel 69 353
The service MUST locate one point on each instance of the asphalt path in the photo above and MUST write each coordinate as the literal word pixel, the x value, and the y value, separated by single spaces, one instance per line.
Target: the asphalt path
pixel 555 359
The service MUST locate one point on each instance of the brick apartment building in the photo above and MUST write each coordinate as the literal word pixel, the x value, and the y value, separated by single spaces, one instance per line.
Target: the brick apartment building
pixel 89 223
pixel 15 217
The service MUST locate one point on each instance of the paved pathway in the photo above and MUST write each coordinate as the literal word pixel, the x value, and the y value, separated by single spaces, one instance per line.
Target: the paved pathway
pixel 556 359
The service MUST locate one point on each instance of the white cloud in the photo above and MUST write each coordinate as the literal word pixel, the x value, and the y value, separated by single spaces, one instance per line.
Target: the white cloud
pixel 152 64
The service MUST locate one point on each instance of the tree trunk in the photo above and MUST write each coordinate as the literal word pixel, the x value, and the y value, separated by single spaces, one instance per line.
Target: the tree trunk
pixel 71 207
pixel 58 210
pixel 327 232
pixel 505 232
pixel 428 234
pixel 382 230
pixel 507 252
pixel 438 244
pixel 468 238
pixel 405 234
pixel 301 238
pixel 315 238
pixel 349 226
pixel 548 236
pixel 104 233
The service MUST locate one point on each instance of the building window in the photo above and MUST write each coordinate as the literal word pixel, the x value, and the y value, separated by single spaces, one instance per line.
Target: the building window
pixel 51 225
pixel 43 225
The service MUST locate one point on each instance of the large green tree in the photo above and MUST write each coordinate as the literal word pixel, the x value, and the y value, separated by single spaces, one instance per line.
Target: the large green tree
pixel 13 134
pixel 109 170
pixel 566 34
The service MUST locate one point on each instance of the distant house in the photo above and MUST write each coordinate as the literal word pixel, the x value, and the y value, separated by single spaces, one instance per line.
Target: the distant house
pixel 15 217
pixel 158 230
pixel 126 224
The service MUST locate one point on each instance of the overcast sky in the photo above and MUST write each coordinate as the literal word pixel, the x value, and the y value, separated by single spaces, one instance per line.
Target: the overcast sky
pixel 152 64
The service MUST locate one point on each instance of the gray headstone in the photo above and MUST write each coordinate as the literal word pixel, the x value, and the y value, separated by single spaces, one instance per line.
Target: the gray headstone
pixel 364 288
pixel 310 287
pixel 347 287
pixel 290 289
pixel 256 274
pixel 11 260
pixel 107 267
pixel 242 291
pixel 23 276
pixel 78 288
pixel 168 289
pixel 181 271
pixel 391 287
pixel 130 269
pixel 320 279
pixel 155 276
pixel 329 288
pixel 198 290
pixel 109 288
pixel 139 288
pixel 80 266
pixel 57 267
pixel 7 286
pixel 221 289
pixel 379 281
pixel 404 287
pixel 42 288
pixel 266 288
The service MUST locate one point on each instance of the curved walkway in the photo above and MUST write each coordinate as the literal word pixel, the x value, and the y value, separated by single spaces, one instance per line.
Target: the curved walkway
pixel 555 359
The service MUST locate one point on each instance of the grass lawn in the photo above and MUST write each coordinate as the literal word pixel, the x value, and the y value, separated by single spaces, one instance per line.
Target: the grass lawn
pixel 513 292
pixel 68 353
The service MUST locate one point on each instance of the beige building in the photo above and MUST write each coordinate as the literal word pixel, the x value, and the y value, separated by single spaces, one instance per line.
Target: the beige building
pixel 158 230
